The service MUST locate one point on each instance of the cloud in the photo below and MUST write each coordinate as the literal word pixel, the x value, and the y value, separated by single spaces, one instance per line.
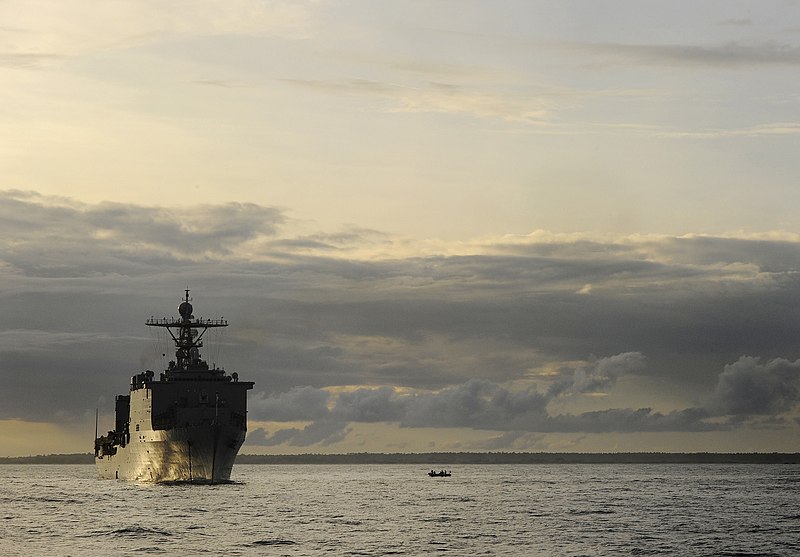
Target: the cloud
pixel 744 388
pixel 599 374
pixel 369 405
pixel 322 433
pixel 359 326
pixel 27 59
pixel 732 55
pixel 481 405
pixel 299 403
pixel 534 107
pixel 510 439
pixel 48 236
pixel 439 97
pixel 456 99
pixel 748 387
pixel 67 29
pixel 628 420
pixel 477 404
pixel 762 130
pixel 27 340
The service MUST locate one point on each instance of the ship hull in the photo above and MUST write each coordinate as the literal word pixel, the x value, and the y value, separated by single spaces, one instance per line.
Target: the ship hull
pixel 199 454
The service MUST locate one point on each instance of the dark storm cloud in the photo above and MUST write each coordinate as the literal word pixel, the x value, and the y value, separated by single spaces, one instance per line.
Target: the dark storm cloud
pixel 460 332
pixel 54 238
pixel 299 403
pixel 744 389
pixel 748 387
pixel 322 433
pixel 627 420
pixel 193 229
pixel 766 255
pixel 478 403
pixel 481 404
pixel 601 375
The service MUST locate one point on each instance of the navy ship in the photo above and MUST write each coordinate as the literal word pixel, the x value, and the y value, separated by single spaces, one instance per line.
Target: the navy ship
pixel 186 425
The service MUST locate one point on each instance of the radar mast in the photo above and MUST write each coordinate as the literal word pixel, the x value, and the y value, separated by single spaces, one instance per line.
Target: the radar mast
pixel 187 333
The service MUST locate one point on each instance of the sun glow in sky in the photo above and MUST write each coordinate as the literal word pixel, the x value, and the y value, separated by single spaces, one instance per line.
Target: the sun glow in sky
pixel 449 225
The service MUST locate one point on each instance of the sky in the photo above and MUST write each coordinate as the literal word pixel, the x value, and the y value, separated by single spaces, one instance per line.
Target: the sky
pixel 432 225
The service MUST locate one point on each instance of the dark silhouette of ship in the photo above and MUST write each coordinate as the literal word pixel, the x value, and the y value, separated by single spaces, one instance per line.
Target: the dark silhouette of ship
pixel 187 425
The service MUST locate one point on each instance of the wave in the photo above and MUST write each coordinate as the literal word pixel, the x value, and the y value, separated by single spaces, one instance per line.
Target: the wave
pixel 591 511
pixel 275 541
pixel 126 531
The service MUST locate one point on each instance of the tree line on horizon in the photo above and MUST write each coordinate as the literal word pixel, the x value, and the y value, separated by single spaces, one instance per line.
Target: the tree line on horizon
pixel 436 459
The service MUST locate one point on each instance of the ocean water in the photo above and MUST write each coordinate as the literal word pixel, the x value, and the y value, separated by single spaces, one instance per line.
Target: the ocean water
pixel 363 510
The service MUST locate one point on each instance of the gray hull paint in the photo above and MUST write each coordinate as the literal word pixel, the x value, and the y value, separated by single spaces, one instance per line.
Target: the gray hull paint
pixel 203 454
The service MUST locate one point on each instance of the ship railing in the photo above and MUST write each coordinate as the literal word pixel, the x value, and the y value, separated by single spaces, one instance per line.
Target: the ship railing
pixel 174 322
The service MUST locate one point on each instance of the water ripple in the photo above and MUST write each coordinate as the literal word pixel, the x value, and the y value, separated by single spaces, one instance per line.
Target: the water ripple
pixel 696 511
pixel 276 541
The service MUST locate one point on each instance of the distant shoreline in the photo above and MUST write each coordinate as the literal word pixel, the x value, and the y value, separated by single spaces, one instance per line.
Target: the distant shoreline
pixel 465 458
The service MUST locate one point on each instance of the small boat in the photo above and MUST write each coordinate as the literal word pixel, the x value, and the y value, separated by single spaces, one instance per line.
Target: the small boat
pixel 442 474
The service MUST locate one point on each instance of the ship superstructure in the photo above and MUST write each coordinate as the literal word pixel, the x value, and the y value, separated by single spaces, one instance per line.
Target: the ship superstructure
pixel 186 425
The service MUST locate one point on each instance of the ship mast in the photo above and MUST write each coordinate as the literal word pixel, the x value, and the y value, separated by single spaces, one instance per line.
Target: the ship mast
pixel 187 333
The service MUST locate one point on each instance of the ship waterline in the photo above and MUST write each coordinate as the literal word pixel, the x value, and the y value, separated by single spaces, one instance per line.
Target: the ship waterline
pixel 190 454
pixel 187 425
